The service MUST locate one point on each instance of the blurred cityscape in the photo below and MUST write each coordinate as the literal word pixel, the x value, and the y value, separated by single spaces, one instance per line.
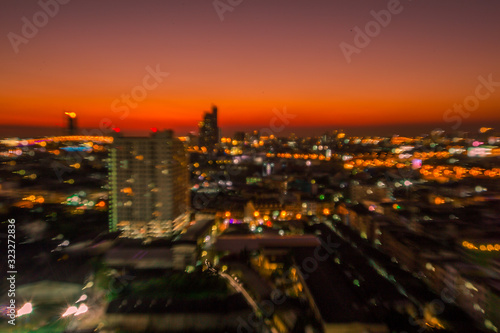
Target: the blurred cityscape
pixel 254 232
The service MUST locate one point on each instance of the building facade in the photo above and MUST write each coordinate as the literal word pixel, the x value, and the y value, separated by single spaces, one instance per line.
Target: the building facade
pixel 209 130
pixel 149 182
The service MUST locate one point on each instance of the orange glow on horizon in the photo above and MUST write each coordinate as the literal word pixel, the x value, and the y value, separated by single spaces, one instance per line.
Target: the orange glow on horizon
pixel 412 73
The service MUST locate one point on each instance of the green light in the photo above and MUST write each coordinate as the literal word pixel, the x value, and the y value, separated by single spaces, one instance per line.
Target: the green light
pixel 321 197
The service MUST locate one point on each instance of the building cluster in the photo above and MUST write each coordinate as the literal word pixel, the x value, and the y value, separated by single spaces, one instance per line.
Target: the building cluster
pixel 256 232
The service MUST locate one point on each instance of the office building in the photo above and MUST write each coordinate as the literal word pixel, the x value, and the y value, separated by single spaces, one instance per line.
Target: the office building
pixel 209 130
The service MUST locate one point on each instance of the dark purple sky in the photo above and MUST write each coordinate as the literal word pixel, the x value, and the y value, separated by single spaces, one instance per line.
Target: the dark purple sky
pixel 263 55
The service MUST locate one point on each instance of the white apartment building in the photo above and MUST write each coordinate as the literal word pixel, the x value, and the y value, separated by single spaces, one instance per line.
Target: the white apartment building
pixel 148 179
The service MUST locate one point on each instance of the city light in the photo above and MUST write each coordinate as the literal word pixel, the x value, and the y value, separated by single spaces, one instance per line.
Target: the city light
pixel 71 310
pixel 82 298
pixel 81 309
pixel 481 247
pixel 192 169
pixel 25 309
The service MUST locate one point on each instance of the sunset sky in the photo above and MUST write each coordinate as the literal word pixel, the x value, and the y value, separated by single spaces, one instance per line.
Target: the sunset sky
pixel 264 54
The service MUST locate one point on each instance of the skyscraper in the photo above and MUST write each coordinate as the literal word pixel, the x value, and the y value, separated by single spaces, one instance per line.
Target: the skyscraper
pixel 71 118
pixel 149 185
pixel 209 130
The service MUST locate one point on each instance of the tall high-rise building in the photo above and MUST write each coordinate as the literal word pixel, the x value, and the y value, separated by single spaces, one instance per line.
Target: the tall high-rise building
pixel 71 119
pixel 149 182
pixel 209 130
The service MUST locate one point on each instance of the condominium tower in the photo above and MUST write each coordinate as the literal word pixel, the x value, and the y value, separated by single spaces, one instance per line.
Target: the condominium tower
pixel 149 185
